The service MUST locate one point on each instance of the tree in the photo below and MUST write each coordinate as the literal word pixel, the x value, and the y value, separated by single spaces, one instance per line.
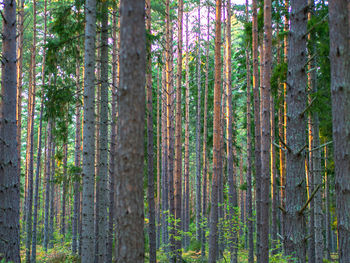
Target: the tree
pixel 130 147
pixel 340 88
pixel 216 140
pixel 9 176
pixel 87 235
pixel 295 240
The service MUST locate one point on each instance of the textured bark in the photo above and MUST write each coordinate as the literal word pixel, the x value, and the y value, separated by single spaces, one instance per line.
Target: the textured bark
pixel 187 143
pixel 112 151
pixel 102 175
pixel 295 240
pixel 205 135
pixel 150 146
pixel 52 190
pixel 328 236
pixel 87 235
pixel 9 176
pixel 265 133
pixel 198 131
pixel 340 88
pixel 216 140
pixel 178 140
pixel 130 148
pixel 159 190
pixel 249 202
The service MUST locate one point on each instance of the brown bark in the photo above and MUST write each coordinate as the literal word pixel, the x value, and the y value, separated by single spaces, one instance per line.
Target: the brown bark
pixel 216 140
pixel 130 147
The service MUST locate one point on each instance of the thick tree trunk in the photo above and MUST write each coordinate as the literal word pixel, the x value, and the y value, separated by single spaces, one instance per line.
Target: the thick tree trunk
pixel 340 87
pixel 87 235
pixel 216 140
pixel 178 140
pixel 295 240
pixel 130 148
pixel 9 182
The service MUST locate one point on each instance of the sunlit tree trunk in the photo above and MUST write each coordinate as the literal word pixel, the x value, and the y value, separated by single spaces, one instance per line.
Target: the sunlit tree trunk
pixel 340 88
pixel 10 178
pixel 130 147
pixel 216 140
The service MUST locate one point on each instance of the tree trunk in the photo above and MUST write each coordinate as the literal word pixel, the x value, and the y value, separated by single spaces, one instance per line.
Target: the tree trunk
pixel 102 175
pixel 205 135
pixel 130 147
pixel 178 140
pixel 187 142
pixel 216 140
pixel 295 240
pixel 9 182
pixel 340 87
pixel 198 131
pixel 52 190
pixel 87 235
pixel 159 190
pixel 249 148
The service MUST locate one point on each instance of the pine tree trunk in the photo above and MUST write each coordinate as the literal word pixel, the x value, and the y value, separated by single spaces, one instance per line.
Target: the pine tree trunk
pixel 187 142
pixel 130 148
pixel 295 240
pixel 52 190
pixel 47 185
pixel 249 156
pixel 216 140
pixel 10 178
pixel 340 88
pixel 150 147
pixel 205 134
pixel 198 131
pixel 178 140
pixel 159 190
pixel 87 235
pixel 103 160
pixel 112 151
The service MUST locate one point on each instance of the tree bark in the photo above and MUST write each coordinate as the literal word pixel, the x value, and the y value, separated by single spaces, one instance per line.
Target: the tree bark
pixel 295 240
pixel 130 148
pixel 87 235
pixel 10 178
pixel 340 88
pixel 216 140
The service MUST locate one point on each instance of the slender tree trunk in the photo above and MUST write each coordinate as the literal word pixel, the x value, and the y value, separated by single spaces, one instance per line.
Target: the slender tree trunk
pixel 102 175
pixel 187 142
pixel 216 140
pixel 150 147
pixel 10 178
pixel 198 130
pixel 256 122
pixel 30 140
pixel 205 134
pixel 87 235
pixel 159 191
pixel 130 148
pixel 232 194
pixel 328 229
pixel 340 83
pixel 249 150
pixel 295 241
pixel 112 151
pixel 52 190
pixel 47 185
pixel 178 140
